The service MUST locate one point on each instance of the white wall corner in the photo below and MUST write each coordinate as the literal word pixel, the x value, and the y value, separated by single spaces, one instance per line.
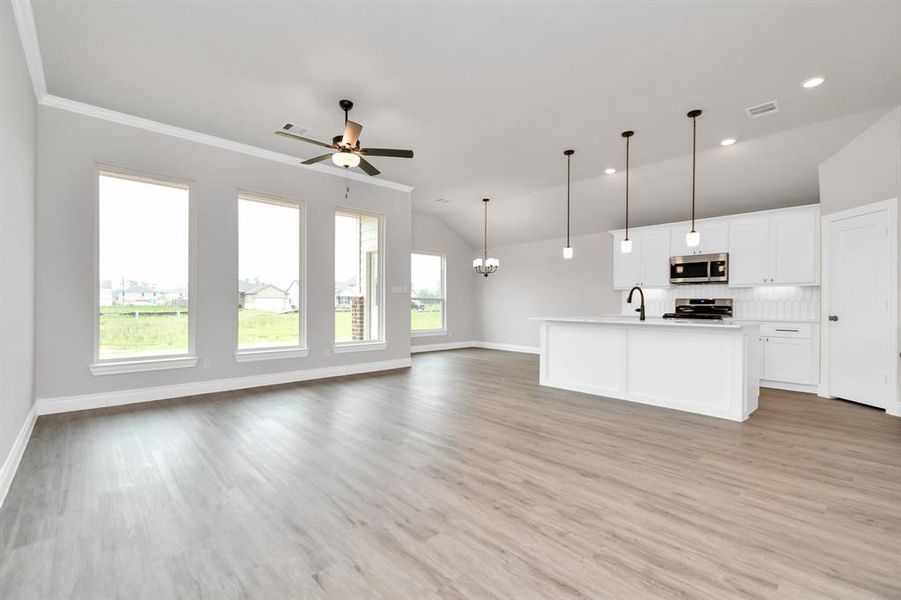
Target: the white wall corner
pixel 11 463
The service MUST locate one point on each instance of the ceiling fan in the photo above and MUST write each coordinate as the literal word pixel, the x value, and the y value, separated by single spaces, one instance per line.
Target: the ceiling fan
pixel 349 153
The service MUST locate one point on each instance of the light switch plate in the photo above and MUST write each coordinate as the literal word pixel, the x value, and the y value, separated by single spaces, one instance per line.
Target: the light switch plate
pixel 397 289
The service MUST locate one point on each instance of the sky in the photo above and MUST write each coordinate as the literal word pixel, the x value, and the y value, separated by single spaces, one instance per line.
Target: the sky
pixel 425 273
pixel 268 242
pixel 143 233
pixel 144 237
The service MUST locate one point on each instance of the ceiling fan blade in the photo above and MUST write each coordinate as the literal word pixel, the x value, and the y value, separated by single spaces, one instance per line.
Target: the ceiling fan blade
pixel 303 139
pixel 387 152
pixel 317 159
pixel 351 134
pixel 367 167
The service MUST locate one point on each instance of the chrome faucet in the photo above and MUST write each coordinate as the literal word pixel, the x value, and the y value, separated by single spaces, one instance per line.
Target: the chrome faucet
pixel 639 310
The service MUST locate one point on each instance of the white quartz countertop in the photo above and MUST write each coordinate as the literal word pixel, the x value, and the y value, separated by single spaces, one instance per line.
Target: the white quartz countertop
pixel 650 321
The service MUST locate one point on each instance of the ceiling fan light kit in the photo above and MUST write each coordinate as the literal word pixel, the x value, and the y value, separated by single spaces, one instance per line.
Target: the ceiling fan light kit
pixel 348 153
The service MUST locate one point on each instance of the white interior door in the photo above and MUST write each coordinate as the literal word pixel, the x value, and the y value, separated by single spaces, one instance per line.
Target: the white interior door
pixel 858 309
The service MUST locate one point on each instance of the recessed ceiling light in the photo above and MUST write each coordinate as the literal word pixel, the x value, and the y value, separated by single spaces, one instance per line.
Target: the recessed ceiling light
pixel 813 82
pixel 727 142
pixel 610 171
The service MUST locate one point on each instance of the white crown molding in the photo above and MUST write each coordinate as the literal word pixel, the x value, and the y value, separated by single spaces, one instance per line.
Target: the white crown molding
pixel 121 118
pixel 28 35
pixel 22 10
pixel 11 463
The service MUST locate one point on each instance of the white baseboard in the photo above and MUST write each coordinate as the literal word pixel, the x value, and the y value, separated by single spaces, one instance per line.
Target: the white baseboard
pixel 485 345
pixel 508 347
pixel 439 347
pixel 792 387
pixel 11 464
pixel 894 409
pixel 49 406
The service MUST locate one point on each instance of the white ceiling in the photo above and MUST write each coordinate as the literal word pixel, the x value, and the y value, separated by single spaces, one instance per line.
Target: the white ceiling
pixel 489 94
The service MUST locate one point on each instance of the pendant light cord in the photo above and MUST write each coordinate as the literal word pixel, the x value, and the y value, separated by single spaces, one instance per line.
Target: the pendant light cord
pixel 694 142
pixel 486 229
pixel 627 187
pixel 568 159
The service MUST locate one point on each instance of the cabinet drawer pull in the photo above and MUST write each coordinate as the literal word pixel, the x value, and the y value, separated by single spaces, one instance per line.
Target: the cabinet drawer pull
pixel 792 330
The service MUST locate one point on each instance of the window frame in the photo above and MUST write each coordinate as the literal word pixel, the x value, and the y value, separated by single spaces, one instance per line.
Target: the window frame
pixel 300 349
pixel 144 362
pixel 443 329
pixel 381 343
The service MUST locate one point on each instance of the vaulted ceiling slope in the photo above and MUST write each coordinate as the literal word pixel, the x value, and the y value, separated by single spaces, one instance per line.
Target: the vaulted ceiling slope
pixel 487 94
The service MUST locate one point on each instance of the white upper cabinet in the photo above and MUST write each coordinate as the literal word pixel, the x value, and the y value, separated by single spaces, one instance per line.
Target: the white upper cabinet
pixel 625 266
pixel 774 247
pixel 749 251
pixel 648 263
pixel 653 257
pixel 780 248
pixel 714 238
pixel 796 247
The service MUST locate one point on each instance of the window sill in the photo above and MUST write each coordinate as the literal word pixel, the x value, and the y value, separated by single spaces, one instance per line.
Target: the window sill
pixel 428 332
pixel 143 364
pixel 250 355
pixel 360 347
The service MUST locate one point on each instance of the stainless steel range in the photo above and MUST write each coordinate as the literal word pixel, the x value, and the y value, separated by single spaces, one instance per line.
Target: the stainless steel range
pixel 711 309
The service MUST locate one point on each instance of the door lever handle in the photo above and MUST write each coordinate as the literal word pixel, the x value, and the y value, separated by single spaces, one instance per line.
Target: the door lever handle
pixel 833 317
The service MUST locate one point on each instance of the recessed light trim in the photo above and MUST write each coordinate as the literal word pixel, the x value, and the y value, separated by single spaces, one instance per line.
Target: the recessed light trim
pixel 812 82
pixel 728 142
pixel 609 170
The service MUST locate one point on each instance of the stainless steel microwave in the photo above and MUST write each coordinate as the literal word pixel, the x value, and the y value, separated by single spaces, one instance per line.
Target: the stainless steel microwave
pixel 699 268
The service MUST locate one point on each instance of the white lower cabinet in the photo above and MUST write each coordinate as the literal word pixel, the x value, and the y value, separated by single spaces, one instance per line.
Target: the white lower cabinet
pixel 790 354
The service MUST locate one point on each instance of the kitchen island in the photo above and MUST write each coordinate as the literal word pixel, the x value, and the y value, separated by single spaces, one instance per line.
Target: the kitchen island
pixel 703 367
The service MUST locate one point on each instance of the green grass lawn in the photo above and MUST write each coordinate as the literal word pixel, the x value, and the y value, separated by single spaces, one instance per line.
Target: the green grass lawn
pixel 122 334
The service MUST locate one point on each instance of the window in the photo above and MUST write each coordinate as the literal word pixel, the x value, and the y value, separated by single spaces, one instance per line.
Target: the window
pixel 143 266
pixel 427 293
pixel 358 314
pixel 269 279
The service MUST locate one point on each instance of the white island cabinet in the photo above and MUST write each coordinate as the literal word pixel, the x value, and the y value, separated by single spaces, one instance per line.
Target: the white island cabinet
pixel 700 367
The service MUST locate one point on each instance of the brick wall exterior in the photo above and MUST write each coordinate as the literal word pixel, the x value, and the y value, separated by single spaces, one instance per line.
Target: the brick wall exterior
pixel 357 318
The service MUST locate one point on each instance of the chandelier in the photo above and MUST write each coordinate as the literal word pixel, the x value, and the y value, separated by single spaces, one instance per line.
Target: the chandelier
pixel 486 266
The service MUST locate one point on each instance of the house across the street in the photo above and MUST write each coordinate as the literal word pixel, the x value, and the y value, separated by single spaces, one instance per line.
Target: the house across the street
pixel 266 297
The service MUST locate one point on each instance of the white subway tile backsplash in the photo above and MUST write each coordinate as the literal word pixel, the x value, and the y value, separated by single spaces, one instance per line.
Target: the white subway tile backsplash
pixel 777 303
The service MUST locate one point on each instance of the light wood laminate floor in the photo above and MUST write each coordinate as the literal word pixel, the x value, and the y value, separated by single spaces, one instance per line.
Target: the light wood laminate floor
pixel 458 478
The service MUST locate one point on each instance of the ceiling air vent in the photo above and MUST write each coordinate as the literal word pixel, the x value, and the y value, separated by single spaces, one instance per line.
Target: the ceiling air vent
pixel 295 129
pixel 767 108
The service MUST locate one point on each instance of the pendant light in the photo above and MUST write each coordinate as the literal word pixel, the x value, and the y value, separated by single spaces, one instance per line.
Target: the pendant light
pixel 486 266
pixel 693 238
pixel 568 250
pixel 625 246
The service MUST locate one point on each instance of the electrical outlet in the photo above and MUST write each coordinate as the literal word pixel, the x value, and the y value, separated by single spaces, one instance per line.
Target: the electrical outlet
pixel 206 363
pixel 328 351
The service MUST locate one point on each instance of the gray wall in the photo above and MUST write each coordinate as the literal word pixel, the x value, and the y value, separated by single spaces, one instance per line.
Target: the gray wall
pixel 430 234
pixel 69 145
pixel 17 185
pixel 534 281
pixel 866 170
